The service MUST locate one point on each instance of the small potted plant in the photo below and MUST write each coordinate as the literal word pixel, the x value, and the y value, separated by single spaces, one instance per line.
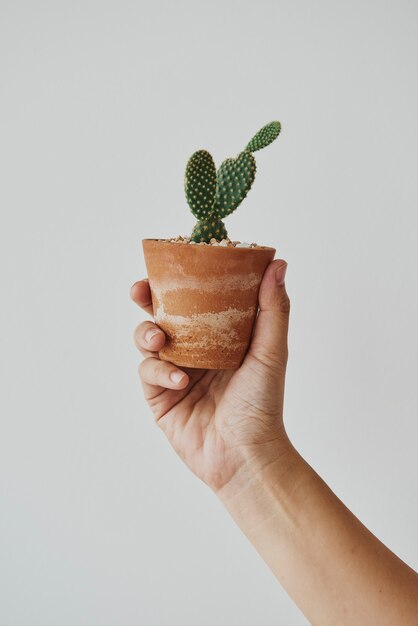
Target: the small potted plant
pixel 204 287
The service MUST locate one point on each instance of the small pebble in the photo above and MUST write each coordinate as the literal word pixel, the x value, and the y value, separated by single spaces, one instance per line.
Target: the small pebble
pixel 225 243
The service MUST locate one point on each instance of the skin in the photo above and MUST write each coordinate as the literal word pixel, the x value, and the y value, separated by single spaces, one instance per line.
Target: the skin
pixel 227 426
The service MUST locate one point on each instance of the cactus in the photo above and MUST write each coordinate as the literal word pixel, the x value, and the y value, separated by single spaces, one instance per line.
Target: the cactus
pixel 212 195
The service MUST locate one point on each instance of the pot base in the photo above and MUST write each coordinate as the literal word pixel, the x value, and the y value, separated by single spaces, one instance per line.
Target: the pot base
pixel 199 362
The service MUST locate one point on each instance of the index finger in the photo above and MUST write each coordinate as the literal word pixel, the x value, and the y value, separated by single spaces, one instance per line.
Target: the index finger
pixel 141 294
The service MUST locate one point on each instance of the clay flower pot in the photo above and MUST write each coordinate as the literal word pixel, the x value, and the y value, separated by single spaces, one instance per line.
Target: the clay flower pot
pixel 205 299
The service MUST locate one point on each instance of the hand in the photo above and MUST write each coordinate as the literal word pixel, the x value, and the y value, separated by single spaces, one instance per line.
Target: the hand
pixel 218 421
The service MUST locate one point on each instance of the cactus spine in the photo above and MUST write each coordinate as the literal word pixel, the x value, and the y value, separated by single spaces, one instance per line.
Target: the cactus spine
pixel 212 195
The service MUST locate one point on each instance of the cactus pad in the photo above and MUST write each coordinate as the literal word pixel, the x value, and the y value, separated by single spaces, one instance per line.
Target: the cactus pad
pixel 234 180
pixel 209 229
pixel 200 184
pixel 264 137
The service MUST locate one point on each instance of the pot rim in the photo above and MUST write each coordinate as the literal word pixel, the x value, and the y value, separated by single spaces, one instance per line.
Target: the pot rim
pixel 197 247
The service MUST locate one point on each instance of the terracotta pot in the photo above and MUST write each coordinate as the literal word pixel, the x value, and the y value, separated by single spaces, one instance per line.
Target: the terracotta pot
pixel 205 299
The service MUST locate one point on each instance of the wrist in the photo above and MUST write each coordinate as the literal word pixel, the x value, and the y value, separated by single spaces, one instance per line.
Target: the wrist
pixel 264 467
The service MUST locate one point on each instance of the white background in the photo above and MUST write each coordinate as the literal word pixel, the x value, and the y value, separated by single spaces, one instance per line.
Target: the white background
pixel 102 103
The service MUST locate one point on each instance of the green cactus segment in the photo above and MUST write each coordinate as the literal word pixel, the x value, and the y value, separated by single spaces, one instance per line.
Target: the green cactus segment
pixel 200 184
pixel 264 137
pixel 205 230
pixel 234 180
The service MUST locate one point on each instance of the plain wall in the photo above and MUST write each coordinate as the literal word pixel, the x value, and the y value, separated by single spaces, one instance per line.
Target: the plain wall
pixel 101 105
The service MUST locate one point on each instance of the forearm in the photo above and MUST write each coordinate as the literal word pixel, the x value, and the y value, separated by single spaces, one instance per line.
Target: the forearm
pixel 335 570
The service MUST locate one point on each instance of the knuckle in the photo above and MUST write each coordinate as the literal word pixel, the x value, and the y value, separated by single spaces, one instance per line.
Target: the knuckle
pixel 141 370
pixel 152 370
pixel 135 335
pixel 157 418
pixel 160 369
pixel 144 367
pixel 284 303
pixel 139 333
pixel 278 359
pixel 144 326
pixel 283 359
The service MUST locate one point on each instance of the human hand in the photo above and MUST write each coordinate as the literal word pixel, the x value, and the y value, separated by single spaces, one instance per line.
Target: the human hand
pixel 220 421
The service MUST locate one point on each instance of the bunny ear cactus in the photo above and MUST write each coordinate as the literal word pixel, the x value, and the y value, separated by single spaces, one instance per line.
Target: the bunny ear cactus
pixel 212 195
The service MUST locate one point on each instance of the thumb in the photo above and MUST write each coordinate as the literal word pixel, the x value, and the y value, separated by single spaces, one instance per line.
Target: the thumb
pixel 269 342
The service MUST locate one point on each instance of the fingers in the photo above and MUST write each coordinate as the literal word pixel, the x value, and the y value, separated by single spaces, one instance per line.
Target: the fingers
pixel 148 338
pixel 141 294
pixel 269 343
pixel 158 375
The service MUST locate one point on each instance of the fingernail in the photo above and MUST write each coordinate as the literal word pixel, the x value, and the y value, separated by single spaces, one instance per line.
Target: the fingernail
pixel 151 333
pixel 176 377
pixel 281 273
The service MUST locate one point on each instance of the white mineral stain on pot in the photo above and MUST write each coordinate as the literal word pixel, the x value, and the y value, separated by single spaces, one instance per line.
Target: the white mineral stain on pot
pixel 218 328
